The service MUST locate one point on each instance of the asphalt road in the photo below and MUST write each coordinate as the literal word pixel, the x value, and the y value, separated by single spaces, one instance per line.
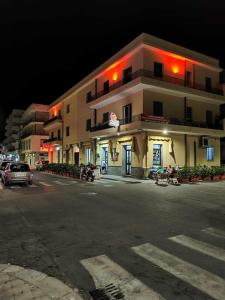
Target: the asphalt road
pixel 135 240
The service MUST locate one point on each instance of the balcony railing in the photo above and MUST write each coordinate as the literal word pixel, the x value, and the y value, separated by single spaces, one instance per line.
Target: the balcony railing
pixel 32 132
pixel 150 74
pixel 59 118
pixel 159 119
pixel 55 139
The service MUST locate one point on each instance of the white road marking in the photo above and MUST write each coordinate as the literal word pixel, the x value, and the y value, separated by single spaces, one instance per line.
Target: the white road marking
pixel 88 193
pixel 14 187
pixel 201 279
pixel 32 186
pixel 60 183
pixel 200 246
pixel 45 184
pixel 106 272
pixel 215 232
pixel 108 185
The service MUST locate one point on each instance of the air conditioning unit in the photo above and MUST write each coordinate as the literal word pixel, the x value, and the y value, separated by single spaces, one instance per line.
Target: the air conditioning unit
pixel 204 141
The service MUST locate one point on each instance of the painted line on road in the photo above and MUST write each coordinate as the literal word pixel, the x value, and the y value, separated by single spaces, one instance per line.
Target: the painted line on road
pixel 107 273
pixel 14 187
pixel 199 246
pixel 45 184
pixel 32 186
pixel 60 183
pixel 201 279
pixel 214 232
pixel 89 193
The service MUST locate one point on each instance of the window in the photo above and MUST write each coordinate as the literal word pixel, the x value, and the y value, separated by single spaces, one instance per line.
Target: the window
pixel 210 153
pixel 127 75
pixel 157 108
pixel 67 108
pixel 158 69
pixel 88 125
pixel 87 155
pixel 208 84
pixel 127 113
pixel 59 113
pixel 67 131
pixel 88 97
pixel 52 135
pixel 106 87
pixel 189 114
pixel 157 154
pixel 209 118
pixel 105 118
pixel 59 134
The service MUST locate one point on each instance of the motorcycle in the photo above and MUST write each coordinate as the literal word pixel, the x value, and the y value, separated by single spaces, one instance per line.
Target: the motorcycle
pixel 87 173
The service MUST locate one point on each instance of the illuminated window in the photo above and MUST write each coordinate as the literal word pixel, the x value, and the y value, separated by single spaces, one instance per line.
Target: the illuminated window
pixel 87 155
pixel 115 76
pixel 210 151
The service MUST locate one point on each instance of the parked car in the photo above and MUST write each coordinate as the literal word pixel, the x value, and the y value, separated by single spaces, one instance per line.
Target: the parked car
pixel 17 173
pixel 3 164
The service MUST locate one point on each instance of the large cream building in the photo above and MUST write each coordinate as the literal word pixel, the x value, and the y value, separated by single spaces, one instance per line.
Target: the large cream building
pixel 153 103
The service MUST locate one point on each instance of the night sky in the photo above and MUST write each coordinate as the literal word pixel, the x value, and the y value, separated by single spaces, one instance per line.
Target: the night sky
pixel 47 46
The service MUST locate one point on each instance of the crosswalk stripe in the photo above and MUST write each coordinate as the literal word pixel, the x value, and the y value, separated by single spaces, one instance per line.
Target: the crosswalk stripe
pixel 200 246
pixel 105 273
pixel 44 183
pixel 201 279
pixel 60 183
pixel 215 232
pixel 14 187
pixel 32 186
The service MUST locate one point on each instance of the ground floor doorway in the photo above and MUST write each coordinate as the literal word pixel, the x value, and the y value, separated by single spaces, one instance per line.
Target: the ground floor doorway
pixel 128 159
pixel 104 159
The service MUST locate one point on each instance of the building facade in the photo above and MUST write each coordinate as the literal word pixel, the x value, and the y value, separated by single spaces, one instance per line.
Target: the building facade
pixel 12 130
pixel 153 103
pixel 32 136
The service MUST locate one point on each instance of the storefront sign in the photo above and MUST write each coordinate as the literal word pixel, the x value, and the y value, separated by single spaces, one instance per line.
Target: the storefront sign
pixel 113 121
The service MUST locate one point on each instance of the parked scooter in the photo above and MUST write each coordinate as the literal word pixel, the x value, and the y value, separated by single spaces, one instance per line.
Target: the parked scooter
pixel 87 173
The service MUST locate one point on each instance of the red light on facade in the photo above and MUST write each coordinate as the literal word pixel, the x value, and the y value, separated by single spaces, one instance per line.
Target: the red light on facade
pixel 115 76
pixel 175 69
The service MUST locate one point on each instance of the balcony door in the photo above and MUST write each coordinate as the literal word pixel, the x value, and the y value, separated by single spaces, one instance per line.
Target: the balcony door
pixel 127 113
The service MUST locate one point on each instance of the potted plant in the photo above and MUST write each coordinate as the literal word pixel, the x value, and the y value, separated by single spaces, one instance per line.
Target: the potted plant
pixel 205 173
pixel 194 174
pixel 223 173
pixel 216 173
pixel 184 174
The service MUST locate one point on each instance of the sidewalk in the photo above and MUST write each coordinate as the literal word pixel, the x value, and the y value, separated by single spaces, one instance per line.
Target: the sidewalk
pixel 123 178
pixel 17 283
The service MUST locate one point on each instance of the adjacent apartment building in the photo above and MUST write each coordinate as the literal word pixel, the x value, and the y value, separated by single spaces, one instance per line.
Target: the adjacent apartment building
pixel 32 136
pixel 153 103
pixel 12 129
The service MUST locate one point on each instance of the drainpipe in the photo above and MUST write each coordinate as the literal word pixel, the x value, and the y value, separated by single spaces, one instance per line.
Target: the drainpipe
pixel 62 134
pixel 185 149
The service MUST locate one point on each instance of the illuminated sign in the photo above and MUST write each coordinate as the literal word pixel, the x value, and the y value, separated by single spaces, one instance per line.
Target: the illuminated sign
pixel 113 121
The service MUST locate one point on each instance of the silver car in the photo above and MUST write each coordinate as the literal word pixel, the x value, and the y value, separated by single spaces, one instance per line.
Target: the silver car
pixel 17 173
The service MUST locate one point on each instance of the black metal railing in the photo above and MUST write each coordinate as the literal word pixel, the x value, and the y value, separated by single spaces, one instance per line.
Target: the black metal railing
pixel 166 78
pixel 52 120
pixel 32 132
pixel 160 119
pixel 52 140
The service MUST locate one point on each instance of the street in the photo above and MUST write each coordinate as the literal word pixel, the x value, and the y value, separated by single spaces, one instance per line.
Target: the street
pixel 124 238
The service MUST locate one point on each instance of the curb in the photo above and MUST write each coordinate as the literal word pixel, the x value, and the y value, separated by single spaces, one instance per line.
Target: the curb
pixel 19 282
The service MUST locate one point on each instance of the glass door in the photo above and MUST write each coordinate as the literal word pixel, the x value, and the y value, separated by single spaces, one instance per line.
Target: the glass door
pixel 128 159
pixel 157 155
pixel 104 160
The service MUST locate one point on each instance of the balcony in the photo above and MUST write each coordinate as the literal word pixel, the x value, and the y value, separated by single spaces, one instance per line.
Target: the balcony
pixel 189 87
pixel 37 117
pixel 156 123
pixel 53 123
pixel 27 133
pixel 53 141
